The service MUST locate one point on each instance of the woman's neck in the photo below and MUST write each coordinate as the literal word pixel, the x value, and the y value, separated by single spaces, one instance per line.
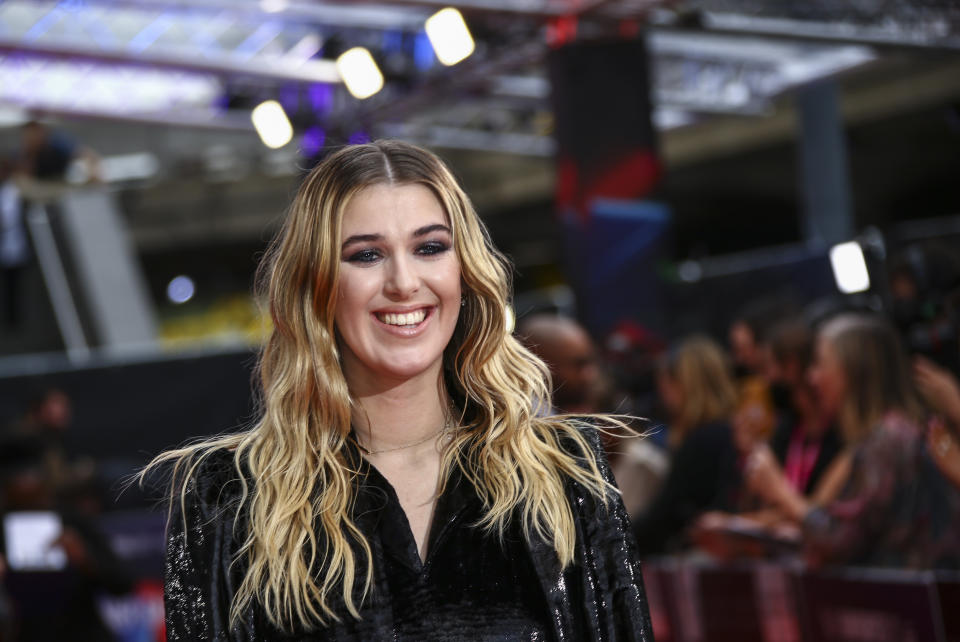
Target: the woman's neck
pixel 400 415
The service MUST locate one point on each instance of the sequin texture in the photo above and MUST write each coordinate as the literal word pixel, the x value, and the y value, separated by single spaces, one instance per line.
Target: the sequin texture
pixel 471 585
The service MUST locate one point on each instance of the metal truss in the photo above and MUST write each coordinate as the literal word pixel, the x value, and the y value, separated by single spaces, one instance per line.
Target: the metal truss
pixel 172 60
pixel 86 88
pixel 736 75
pixel 908 23
pixel 203 37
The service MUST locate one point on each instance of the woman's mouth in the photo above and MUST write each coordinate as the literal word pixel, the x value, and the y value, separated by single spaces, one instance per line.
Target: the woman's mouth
pixel 403 320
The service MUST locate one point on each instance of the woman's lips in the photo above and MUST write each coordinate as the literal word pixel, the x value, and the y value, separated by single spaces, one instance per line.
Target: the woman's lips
pixel 413 317
pixel 404 323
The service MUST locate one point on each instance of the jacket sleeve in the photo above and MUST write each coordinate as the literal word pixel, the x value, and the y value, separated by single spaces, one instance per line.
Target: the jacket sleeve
pixel 197 587
pixel 613 582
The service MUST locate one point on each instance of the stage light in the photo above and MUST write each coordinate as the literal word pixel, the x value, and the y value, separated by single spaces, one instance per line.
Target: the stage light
pixel 273 6
pixel 180 289
pixel 272 124
pixel 359 72
pixel 849 268
pixel 449 36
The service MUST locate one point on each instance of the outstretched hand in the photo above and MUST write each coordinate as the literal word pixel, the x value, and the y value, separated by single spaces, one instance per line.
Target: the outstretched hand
pixel 764 477
pixel 939 388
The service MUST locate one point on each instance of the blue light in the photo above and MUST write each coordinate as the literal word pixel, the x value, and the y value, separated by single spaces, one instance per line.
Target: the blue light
pixel 180 289
pixel 392 41
pixel 423 56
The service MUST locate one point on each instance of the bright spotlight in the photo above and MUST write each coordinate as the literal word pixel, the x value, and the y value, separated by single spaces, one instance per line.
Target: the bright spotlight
pixel 449 35
pixel 359 72
pixel 180 289
pixel 272 124
pixel 273 6
pixel 849 267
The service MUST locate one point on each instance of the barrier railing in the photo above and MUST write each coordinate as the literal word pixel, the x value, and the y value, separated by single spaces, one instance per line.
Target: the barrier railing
pixel 694 601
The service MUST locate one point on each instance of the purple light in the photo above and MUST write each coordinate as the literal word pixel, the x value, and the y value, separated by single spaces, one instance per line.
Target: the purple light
pixel 222 102
pixel 321 97
pixel 358 138
pixel 290 98
pixel 312 142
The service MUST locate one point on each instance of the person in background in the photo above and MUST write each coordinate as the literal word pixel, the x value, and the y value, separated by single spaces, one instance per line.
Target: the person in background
pixel 46 155
pixel 894 508
pixel 805 441
pixel 941 390
pixel 47 420
pixel 697 390
pixel 806 445
pixel 580 387
pixel 755 415
pixel 746 342
pixel 14 248
pixel 924 287
pixel 55 604
pixel 569 352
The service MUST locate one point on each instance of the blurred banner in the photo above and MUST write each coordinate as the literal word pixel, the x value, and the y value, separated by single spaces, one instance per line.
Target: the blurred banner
pixel 605 139
pixel 606 163
pixel 612 263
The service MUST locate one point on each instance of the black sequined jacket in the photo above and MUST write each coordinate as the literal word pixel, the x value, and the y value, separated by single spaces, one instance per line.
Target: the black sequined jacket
pixel 599 597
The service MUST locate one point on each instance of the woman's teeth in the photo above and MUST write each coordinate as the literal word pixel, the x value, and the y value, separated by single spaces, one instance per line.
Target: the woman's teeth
pixel 410 318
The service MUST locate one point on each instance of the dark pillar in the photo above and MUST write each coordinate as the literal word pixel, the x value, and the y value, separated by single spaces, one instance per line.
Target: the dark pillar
pixel 825 176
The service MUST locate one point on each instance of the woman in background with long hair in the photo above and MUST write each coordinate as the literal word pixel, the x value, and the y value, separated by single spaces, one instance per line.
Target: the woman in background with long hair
pixel 894 508
pixel 697 390
pixel 400 482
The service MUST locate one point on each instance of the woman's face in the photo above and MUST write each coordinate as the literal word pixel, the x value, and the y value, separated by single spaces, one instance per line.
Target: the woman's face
pixel 828 378
pixel 399 285
pixel 671 394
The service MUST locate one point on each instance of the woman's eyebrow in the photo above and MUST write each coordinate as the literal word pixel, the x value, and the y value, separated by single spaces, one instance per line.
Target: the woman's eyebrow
pixel 362 238
pixel 428 229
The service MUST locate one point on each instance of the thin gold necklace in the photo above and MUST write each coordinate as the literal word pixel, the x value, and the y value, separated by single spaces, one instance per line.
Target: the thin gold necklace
pixel 448 422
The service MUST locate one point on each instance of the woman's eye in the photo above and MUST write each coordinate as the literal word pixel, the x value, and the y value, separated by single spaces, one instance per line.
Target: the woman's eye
pixel 432 247
pixel 364 256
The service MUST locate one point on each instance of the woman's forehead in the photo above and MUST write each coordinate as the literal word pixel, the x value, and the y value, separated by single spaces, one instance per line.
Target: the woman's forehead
pixel 384 208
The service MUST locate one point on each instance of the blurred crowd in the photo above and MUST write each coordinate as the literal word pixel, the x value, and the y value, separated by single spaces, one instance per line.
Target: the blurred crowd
pixel 56 559
pixel 827 432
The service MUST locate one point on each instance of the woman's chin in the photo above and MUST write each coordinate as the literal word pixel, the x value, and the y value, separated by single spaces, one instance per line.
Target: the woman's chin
pixel 402 370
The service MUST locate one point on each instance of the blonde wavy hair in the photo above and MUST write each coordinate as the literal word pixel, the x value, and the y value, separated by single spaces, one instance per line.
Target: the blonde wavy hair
pixel 701 369
pixel 297 452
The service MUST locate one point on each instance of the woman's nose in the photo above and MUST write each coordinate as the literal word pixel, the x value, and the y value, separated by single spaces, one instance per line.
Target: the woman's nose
pixel 402 278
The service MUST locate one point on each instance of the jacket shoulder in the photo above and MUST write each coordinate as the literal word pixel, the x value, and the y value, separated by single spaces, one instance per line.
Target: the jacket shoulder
pixel 591 436
pixel 210 481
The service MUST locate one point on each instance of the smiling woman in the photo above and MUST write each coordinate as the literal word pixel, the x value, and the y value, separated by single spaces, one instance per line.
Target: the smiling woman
pixel 400 483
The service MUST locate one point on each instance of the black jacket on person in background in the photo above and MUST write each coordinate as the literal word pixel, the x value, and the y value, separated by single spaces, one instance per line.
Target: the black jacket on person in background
pixel 704 475
pixel 599 597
